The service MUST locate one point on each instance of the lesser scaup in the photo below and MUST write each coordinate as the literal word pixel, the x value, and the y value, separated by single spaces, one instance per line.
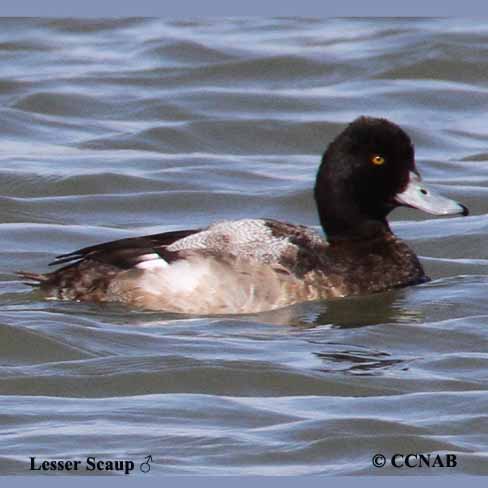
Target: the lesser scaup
pixel 252 265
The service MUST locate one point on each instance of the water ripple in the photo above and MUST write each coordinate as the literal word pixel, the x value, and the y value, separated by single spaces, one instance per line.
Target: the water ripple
pixel 116 127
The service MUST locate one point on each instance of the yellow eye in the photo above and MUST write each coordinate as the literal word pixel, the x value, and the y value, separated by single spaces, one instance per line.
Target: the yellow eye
pixel 378 160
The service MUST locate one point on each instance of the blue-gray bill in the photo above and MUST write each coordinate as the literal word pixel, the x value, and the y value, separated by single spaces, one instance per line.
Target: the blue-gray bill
pixel 418 195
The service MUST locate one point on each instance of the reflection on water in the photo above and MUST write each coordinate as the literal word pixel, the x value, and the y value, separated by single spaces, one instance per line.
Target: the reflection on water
pixel 390 307
pixel 358 362
pixel 119 127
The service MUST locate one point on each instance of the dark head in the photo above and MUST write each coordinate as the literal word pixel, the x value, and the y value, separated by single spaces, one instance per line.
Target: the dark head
pixel 367 171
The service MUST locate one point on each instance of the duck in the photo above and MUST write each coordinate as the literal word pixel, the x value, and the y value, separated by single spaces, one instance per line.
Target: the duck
pixel 255 265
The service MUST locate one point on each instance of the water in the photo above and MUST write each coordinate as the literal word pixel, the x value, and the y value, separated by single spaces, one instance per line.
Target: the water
pixel 115 128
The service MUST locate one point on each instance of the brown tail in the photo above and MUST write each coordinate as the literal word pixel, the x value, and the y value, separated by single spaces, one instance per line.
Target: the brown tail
pixel 33 279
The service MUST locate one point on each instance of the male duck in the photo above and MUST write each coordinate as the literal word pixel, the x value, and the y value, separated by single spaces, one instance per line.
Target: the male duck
pixel 252 265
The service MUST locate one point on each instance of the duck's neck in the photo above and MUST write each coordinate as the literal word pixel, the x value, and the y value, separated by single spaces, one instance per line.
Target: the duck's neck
pixel 342 215
pixel 348 223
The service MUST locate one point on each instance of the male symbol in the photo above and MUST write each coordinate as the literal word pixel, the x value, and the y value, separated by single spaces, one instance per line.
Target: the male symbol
pixel 145 467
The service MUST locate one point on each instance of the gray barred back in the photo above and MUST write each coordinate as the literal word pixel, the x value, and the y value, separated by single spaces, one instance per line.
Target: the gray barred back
pixel 266 241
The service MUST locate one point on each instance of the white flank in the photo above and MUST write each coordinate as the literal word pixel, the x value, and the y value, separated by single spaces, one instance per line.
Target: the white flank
pixel 179 277
pixel 185 276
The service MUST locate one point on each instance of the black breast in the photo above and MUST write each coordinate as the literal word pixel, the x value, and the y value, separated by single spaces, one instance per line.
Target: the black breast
pixel 373 266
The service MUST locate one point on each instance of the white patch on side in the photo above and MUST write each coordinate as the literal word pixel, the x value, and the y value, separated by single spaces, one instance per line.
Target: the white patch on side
pixel 179 277
pixel 152 262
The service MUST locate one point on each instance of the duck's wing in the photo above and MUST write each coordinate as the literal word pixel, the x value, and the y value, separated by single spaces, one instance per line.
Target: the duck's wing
pixel 262 240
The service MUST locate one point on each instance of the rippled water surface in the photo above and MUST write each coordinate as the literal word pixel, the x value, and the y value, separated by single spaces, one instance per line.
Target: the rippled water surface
pixel 114 128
